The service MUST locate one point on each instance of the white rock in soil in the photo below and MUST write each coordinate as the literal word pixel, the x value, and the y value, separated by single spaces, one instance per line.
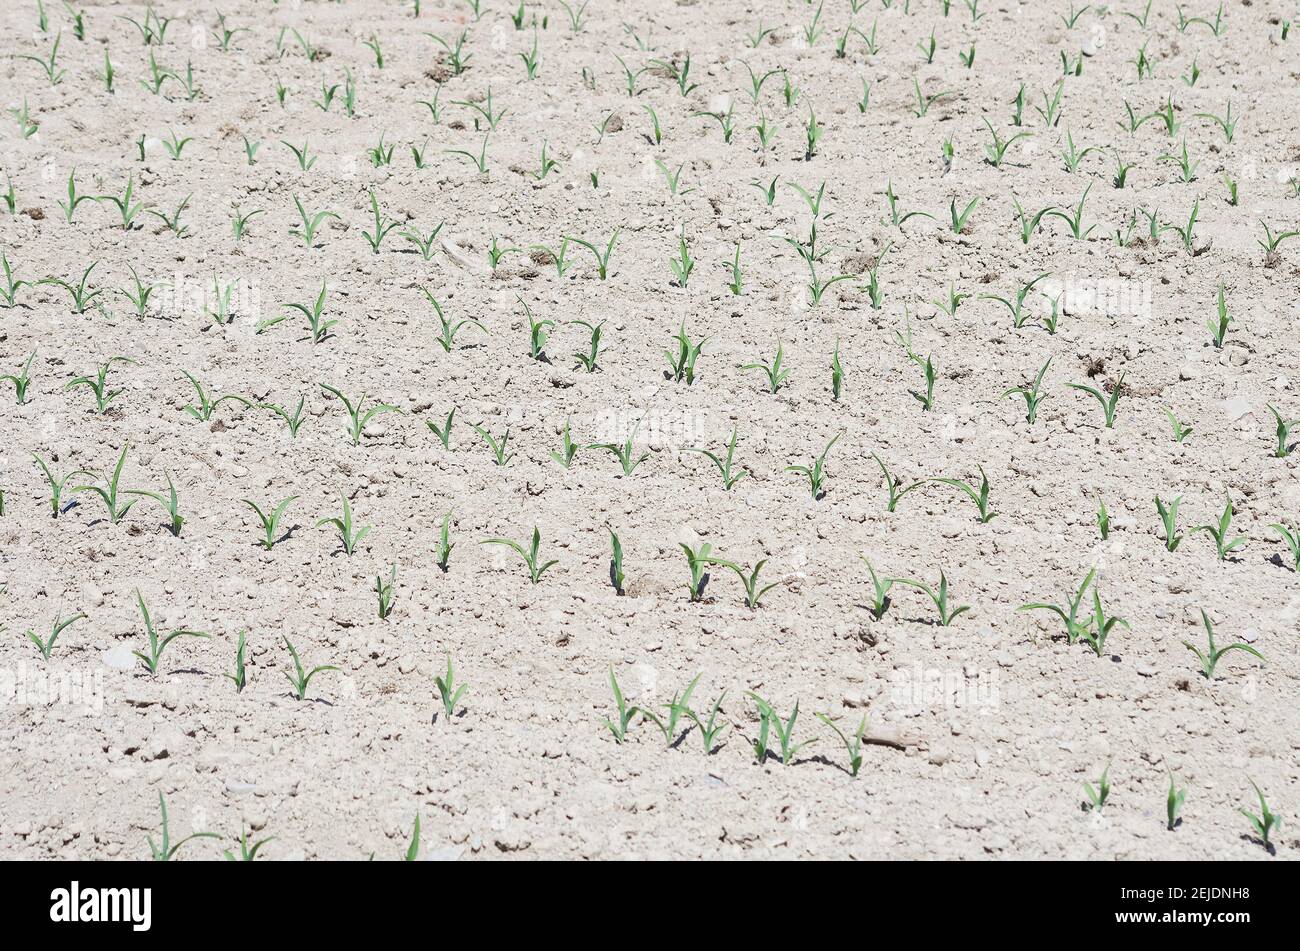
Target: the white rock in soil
pixel 1235 407
pixel 118 657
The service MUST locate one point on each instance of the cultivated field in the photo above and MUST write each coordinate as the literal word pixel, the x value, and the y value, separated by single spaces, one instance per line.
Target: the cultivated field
pixel 809 430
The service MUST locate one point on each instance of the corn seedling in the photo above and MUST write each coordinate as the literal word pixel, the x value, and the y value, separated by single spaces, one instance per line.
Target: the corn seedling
pixel 1181 429
pixel 926 399
pixel 587 360
pixel 710 730
pixel 775 371
pixel 626 712
pixel 624 452
pixel 49 63
pixel 1017 309
pixel 1032 393
pixel 381 153
pixel 128 209
pixel 311 223
pixel 9 290
pixel 382 227
pixel 172 222
pixel 568 448
pixel 303 154
pixel 682 265
pixel 1186 167
pixel 1219 326
pixel 697 561
pixel 165 850
pixel 301 677
pixel 57 485
pixel 349 535
pixel 205 406
pixel 110 491
pixel 737 281
pixel 170 502
pixel 771 720
pixel 538 332
pixel 292 420
pixel 1174 803
pixel 1292 539
pixel 815 473
pixel 239 221
pixel 1108 402
pixel 22 380
pixel 498 446
pixel 479 161
pixel 753 591
pixel 837 373
pixel 960 222
pixel 894 486
pixel 1075 627
pixel 1103 625
pixel 531 60
pixel 947 612
pixel 270 520
pixel 924 102
pixel 1266 821
pixel 953 301
pixel 98 384
pixel 602 257
pixel 158 644
pixel 82 296
pixel 423 242
pixel 1210 658
pixel 443 433
pixel 56 628
pixel 175 145
pixel 1074 219
pixel 880 590
pixel 536 567
pixel 724 463
pixel 386 591
pixel 448 692
pixel 681 365
pixel 359 417
pixel 852 745
pixel 1030 221
pixel 1224 541
pixel 445 544
pixel 240 675
pixel 674 710
pixel 1098 795
pixel 1187 232
pixel 27 127
pixel 247 852
pixel 979 496
pixel 1284 427
pixel 995 151
pixel 1169 518
pixel 1122 169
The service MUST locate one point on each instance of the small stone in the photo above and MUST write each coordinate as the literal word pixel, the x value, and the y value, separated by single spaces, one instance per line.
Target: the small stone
pixel 1235 407
pixel 118 657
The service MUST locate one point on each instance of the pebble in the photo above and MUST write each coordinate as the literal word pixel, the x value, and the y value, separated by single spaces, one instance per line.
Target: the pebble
pixel 118 657
pixel 1235 407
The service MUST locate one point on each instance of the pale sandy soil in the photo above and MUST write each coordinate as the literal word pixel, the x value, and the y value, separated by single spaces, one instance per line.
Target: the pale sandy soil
pixel 1006 719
